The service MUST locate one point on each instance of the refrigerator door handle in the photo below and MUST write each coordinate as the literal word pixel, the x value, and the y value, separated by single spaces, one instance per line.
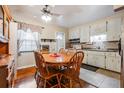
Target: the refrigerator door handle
pixel 119 46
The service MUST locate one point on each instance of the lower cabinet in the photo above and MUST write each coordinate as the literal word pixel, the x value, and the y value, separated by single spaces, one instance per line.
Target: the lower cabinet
pixel 100 61
pixel 113 63
pixel 110 62
pixel 91 60
pixel 106 60
pixel 96 60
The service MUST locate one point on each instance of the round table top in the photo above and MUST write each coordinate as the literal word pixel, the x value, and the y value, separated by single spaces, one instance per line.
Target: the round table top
pixel 61 59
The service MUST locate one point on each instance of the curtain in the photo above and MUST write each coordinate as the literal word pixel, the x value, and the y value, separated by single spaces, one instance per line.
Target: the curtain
pixel 24 26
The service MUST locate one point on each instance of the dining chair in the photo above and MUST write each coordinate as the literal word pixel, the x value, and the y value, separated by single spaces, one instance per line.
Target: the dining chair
pixel 71 51
pixel 62 51
pixel 73 70
pixel 44 78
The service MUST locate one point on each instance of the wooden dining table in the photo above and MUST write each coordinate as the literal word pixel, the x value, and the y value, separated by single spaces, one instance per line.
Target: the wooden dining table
pixel 60 60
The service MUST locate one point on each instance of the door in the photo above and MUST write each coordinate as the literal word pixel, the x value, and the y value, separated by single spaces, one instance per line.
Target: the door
pixel 60 40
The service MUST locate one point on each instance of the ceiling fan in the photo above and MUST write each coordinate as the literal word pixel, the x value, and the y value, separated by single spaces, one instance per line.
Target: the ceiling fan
pixel 47 14
pixel 47 10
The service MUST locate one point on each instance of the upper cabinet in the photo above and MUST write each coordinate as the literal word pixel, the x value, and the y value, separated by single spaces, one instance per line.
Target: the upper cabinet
pixel 85 34
pixel 98 31
pixel 98 28
pixel 108 29
pixel 74 33
pixel 113 29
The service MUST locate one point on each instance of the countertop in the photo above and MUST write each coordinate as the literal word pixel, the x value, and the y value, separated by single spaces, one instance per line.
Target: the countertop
pixel 101 50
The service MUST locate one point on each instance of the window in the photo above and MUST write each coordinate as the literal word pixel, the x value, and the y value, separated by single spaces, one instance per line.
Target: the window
pixel 27 40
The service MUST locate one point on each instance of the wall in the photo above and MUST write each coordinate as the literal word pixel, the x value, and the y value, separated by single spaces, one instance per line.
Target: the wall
pixel 49 32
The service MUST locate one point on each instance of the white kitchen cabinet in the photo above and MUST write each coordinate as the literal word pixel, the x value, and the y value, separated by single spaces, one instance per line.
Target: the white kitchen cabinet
pixel 98 31
pixel 113 29
pixel 91 60
pixel 96 59
pixel 74 33
pixel 110 62
pixel 100 61
pixel 118 60
pixel 98 28
pixel 84 34
pixel 113 62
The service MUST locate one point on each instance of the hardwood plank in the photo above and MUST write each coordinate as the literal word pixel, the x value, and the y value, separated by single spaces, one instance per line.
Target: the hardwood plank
pixel 22 73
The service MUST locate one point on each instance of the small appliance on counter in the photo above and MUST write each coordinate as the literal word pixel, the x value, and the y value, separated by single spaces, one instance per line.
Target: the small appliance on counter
pixel 77 46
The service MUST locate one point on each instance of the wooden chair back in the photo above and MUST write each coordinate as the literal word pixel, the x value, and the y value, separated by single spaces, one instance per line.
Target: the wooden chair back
pixel 40 63
pixel 71 51
pixel 62 51
pixel 76 60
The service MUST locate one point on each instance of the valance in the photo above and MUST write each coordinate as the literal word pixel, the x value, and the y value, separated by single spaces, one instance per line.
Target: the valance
pixel 24 26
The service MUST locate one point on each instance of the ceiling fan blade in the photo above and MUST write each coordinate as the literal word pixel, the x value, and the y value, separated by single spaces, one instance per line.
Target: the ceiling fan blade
pixel 55 14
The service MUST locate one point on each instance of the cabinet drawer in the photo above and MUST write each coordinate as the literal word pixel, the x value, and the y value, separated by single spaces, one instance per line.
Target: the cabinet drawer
pixel 110 53
pixel 95 53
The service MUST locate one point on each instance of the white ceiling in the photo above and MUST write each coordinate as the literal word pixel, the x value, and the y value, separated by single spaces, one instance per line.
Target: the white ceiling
pixel 71 15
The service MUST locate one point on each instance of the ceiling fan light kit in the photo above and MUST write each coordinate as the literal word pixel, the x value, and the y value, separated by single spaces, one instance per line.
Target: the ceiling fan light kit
pixel 47 13
pixel 46 17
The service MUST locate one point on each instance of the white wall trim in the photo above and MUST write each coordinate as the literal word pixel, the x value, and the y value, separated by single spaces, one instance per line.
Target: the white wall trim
pixel 22 67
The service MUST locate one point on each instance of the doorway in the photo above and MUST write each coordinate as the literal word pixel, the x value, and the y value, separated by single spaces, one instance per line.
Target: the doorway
pixel 60 40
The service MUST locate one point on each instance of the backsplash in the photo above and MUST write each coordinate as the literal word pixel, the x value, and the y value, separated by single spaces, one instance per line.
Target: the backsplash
pixel 98 45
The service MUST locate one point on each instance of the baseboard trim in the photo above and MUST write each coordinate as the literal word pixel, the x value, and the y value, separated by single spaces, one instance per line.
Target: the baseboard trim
pixel 23 67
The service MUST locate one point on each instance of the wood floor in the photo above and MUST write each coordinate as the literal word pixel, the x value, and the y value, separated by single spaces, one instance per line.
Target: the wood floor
pixel 25 79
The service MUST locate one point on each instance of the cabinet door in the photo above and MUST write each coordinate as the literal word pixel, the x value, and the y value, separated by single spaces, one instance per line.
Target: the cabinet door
pixel 98 31
pixel 118 63
pixel 93 29
pixel 84 34
pixel 102 27
pixel 113 29
pixel 110 62
pixel 113 63
pixel 91 60
pixel 73 33
pixel 100 61
pixel 76 32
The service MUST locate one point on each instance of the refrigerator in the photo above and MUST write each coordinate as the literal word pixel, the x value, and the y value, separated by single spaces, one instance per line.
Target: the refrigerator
pixel 121 51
